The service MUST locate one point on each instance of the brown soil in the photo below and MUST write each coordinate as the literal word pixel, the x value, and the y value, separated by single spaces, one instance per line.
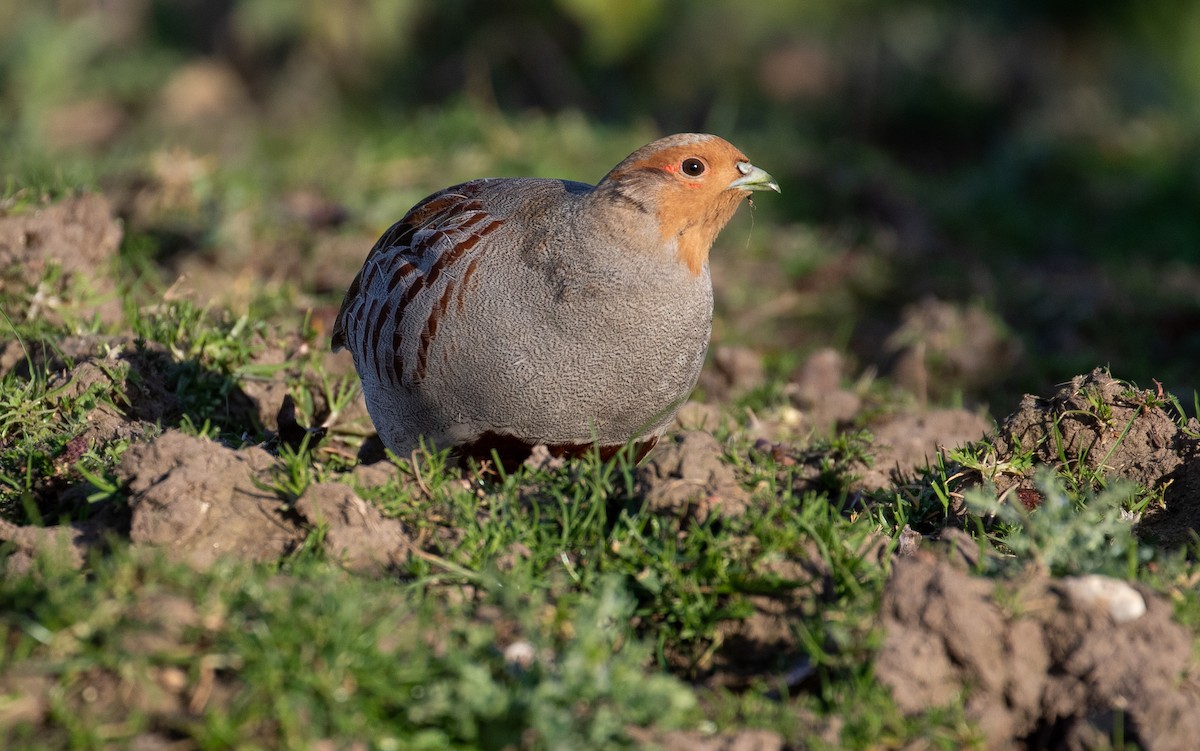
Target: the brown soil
pixel 1103 423
pixel 1042 669
pixel 79 236
pixel 687 475
pixel 939 347
pixel 905 442
pixel 201 502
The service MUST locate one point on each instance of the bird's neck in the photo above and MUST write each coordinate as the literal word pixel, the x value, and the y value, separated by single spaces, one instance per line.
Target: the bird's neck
pixel 669 225
pixel 694 232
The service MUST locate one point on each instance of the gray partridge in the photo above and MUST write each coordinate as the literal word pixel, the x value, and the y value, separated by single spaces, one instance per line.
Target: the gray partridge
pixel 504 313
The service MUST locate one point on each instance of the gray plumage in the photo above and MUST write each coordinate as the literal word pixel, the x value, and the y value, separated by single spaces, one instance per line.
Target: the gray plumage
pixel 543 311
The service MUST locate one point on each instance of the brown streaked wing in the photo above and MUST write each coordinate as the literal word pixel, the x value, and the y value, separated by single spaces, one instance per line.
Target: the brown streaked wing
pixel 429 213
pixel 430 255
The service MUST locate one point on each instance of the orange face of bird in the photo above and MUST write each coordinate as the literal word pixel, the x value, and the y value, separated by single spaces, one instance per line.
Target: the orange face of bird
pixel 698 190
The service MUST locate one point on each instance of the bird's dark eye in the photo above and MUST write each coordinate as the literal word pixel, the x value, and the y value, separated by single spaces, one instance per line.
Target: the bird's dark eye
pixel 692 167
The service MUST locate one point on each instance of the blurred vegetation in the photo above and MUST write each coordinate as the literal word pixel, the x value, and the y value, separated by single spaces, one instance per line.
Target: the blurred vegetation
pixel 1040 159
pixel 1021 173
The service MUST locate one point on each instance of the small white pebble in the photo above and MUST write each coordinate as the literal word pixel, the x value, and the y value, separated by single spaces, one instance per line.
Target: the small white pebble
pixel 519 653
pixel 1122 601
pixel 789 416
pixel 173 679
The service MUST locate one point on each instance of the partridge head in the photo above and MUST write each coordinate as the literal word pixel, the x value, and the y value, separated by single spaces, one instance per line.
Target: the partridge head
pixel 504 313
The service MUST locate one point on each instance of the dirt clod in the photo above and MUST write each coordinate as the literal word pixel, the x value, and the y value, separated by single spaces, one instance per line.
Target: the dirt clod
pixel 1043 670
pixel 907 441
pixel 734 371
pixel 71 543
pixel 77 234
pixel 1104 424
pixel 687 473
pixel 817 391
pixel 357 535
pixel 201 501
pixel 940 344
pixel 709 418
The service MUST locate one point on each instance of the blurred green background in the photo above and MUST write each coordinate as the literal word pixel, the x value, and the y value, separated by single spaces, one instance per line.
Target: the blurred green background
pixel 1012 185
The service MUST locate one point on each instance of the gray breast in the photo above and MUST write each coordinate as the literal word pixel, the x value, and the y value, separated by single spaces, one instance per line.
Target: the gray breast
pixel 557 336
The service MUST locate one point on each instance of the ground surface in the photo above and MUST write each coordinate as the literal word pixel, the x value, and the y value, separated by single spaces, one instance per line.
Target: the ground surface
pixel 815 558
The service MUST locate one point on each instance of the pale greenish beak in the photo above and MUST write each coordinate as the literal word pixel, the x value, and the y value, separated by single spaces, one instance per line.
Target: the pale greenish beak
pixel 753 178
